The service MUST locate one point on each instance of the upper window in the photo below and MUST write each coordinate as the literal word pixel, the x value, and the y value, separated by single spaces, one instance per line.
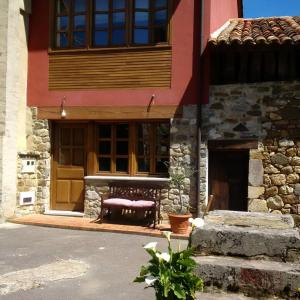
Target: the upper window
pixel 110 23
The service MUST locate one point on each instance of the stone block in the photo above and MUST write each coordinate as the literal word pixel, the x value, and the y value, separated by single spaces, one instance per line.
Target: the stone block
pixel 287 170
pixel 291 199
pixel 295 161
pixel 297 189
pixel 254 192
pixel 256 172
pixel 254 277
pixel 286 190
pixel 257 205
pixel 247 242
pixel 280 159
pixel 278 179
pixel 272 191
pixel 292 178
pixel 256 219
pixel 275 202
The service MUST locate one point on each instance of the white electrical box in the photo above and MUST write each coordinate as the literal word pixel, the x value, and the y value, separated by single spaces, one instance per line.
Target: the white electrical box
pixel 27 198
pixel 28 166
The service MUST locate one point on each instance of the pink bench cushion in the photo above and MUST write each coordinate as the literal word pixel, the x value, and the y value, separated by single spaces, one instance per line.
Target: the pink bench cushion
pixel 118 202
pixel 143 204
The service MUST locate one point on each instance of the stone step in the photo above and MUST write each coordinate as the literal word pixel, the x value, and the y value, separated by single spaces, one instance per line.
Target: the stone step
pixel 253 277
pixel 249 219
pixel 270 244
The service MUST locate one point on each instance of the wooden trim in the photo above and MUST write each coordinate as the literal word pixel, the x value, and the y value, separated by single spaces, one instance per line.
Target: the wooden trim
pixel 111 112
pixel 232 144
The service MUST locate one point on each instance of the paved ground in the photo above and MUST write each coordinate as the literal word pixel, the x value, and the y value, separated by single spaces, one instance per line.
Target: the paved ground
pixel 112 261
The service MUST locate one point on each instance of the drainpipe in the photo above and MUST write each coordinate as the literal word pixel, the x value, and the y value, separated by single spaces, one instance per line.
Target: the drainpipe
pixel 199 112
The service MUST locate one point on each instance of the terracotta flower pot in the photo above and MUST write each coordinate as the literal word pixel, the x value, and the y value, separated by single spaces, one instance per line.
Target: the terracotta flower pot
pixel 179 223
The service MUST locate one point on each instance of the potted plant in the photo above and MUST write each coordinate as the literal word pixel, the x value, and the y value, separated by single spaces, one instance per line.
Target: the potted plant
pixel 171 273
pixel 179 216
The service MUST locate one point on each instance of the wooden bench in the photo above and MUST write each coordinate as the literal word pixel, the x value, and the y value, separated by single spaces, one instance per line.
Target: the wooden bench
pixel 132 197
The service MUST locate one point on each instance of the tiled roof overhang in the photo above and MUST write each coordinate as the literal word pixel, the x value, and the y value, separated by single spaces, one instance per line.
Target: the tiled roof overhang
pixel 262 31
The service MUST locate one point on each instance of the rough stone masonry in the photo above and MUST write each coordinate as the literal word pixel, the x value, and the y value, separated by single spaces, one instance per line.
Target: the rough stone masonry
pixel 269 113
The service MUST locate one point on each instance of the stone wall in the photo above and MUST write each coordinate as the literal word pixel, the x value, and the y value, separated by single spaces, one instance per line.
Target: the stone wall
pixel 269 113
pixel 183 143
pixel 38 149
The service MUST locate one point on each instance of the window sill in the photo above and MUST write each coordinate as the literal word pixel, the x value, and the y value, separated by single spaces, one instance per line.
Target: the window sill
pixel 128 178
pixel 112 49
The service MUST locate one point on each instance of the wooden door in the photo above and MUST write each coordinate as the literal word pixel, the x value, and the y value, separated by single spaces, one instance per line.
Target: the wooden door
pixel 228 179
pixel 69 167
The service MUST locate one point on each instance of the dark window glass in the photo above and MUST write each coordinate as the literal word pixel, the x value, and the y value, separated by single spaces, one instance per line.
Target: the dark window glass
pixel 141 36
pixel 161 165
pixel 105 131
pixel 118 19
pixel 104 164
pixel 143 165
pixel 79 38
pixel 62 6
pixel 78 157
pixel 80 6
pixel 101 21
pixel 118 37
pixel 100 38
pixel 62 40
pixel 118 4
pixel 62 23
pixel 122 131
pixel 122 165
pixel 141 19
pixel 102 5
pixel 160 3
pixel 160 35
pixel 122 148
pixel 79 23
pixel 142 4
pixel 105 147
pixel 65 156
pixel 160 17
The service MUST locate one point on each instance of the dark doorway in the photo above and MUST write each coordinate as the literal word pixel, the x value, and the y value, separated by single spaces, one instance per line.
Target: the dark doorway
pixel 228 179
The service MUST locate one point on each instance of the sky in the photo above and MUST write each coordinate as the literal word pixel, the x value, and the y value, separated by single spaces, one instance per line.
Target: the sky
pixel 270 8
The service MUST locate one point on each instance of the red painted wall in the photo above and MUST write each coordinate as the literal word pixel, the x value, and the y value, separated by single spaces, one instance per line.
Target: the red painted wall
pixel 215 14
pixel 185 65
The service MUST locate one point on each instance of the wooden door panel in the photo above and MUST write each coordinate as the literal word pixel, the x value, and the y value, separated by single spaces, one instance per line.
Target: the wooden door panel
pixel 228 179
pixel 69 166
pixel 63 191
pixel 70 173
pixel 77 188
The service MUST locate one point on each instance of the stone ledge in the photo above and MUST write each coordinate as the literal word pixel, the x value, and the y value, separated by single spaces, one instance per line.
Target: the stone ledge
pixel 250 219
pixel 254 277
pixel 280 245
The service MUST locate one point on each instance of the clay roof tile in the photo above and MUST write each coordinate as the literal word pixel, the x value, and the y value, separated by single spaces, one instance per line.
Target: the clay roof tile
pixel 277 30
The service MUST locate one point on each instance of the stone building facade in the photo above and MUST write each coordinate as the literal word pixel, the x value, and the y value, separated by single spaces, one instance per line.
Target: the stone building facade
pixel 183 142
pixel 13 85
pixel 269 113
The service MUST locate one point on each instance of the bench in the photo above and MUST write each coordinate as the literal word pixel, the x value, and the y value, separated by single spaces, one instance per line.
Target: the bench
pixel 132 197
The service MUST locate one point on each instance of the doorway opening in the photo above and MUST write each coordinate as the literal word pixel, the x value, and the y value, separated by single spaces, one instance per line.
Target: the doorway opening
pixel 228 179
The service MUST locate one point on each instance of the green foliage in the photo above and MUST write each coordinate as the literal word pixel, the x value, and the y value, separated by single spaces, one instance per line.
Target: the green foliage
pixel 171 274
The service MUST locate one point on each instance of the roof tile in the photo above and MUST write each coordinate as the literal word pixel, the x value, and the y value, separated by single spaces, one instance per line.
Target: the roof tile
pixel 275 30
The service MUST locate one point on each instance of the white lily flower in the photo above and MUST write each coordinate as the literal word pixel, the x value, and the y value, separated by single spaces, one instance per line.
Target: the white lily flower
pixel 198 222
pixel 164 256
pixel 167 234
pixel 151 245
pixel 150 280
